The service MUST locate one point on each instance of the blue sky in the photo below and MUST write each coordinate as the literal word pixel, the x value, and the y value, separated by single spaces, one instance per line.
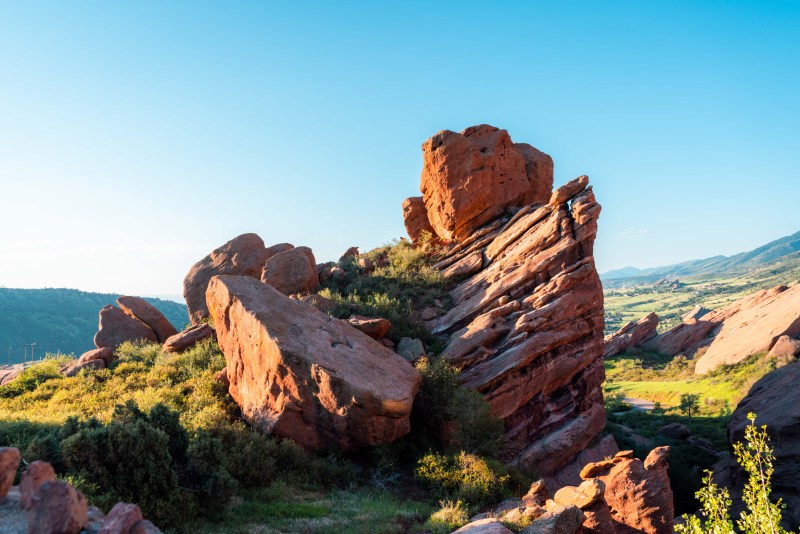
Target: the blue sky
pixel 137 136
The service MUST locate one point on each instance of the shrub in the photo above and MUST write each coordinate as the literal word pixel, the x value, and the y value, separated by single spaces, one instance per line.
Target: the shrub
pixel 450 516
pixel 761 515
pixel 467 477
pixel 206 476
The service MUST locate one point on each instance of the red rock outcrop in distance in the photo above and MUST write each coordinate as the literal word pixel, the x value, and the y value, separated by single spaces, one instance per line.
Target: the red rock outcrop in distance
pixel 526 327
pixel 632 334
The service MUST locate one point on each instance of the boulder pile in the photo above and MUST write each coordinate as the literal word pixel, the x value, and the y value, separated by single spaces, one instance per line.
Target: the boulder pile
pixel 526 328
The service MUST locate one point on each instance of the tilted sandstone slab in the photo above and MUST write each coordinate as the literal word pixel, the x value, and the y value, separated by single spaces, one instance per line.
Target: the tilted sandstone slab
pixel 116 327
pixel 244 255
pixel 470 178
pixel 631 335
pixel 731 334
pixel 301 374
pixel 138 308
pixel 526 329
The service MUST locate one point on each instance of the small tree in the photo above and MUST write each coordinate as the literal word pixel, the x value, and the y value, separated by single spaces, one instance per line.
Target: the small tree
pixel 761 516
pixel 689 405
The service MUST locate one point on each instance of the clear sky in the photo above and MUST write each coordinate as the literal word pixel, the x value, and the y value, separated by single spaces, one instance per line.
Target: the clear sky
pixel 137 136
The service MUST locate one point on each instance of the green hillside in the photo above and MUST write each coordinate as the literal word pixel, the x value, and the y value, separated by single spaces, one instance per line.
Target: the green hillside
pixel 59 320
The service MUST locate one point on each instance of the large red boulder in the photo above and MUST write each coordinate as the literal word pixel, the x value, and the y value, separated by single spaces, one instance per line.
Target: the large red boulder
pixel 9 461
pixel 298 373
pixel 106 354
pixel 292 271
pixel 638 493
pixel 138 308
pixel 415 217
pixel 243 256
pixel 470 178
pixel 116 328
pixel 58 507
pixel 35 475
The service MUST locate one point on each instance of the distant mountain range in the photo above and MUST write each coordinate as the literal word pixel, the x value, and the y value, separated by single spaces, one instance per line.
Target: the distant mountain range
pixel 59 320
pixel 784 249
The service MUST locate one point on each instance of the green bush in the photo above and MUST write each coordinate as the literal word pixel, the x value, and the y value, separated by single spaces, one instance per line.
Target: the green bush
pixel 466 477
pixel 450 516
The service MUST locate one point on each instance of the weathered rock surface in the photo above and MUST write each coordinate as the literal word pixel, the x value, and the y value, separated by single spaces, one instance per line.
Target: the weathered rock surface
pixel 631 335
pixel 589 497
pixel 8 375
pixel 123 518
pixel 301 374
pixel 785 347
pixel 35 475
pixel 188 338
pixel 415 217
pixel 570 473
pixel 731 334
pixel 376 328
pixel 557 520
pixel 470 178
pixel 57 508
pixel 9 462
pixel 116 328
pixel 244 255
pixel 138 308
pixel 411 349
pixel 489 525
pixel 638 493
pixel 293 271
pixel 526 328
pixel 774 399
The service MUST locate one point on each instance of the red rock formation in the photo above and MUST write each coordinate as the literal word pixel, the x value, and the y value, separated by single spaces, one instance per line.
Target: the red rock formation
pixel 415 217
pixel 589 497
pixel 58 507
pixel 631 335
pixel 470 178
pixel 9 461
pixel 785 347
pixel 527 327
pixel 244 255
pixel 138 308
pixel 188 338
pixel 106 354
pixel 749 325
pixel 35 475
pixel 293 271
pixel 116 327
pixel 301 374
pixel 638 493
pixel 375 328
pixel 76 366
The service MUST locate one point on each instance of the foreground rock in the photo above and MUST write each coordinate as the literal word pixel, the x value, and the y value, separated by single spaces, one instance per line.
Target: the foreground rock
pixel 293 271
pixel 637 493
pixel 774 399
pixel 415 217
pixel 188 338
pixel 244 255
pixel 58 508
pixel 299 373
pixel 116 328
pixel 470 178
pixel 526 328
pixel 631 335
pixel 9 462
pixel 589 498
pixel 750 325
pixel 35 475
pixel 140 309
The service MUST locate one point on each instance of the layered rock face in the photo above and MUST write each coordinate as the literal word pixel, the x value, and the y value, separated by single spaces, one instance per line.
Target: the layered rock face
pixel 244 255
pixel 302 374
pixel 526 328
pixel 468 178
pixel 749 325
pixel 631 335
pixel 774 399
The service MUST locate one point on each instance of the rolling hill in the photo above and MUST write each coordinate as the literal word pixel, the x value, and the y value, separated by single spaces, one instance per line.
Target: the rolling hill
pixel 59 320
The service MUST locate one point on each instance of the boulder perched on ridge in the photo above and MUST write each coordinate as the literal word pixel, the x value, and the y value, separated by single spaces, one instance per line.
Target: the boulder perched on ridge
pixel 301 374
pixel 470 178
pixel 293 271
pixel 138 308
pixel 244 255
pixel 116 327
